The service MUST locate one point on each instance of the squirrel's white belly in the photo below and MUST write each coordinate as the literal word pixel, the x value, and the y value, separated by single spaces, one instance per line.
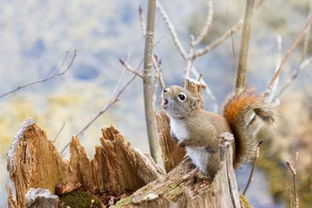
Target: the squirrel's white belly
pixel 199 157
pixel 178 128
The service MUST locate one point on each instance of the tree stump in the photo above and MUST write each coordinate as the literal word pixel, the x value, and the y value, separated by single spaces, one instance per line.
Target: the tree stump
pixel 117 168
pixel 118 175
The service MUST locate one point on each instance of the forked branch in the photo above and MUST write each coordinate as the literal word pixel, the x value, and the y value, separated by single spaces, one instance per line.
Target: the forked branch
pixel 287 55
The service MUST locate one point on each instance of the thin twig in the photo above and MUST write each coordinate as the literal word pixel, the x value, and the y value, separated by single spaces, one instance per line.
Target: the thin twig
pixel 307 36
pixel 173 33
pixel 278 62
pixel 59 132
pixel 158 79
pixel 252 167
pixel 293 171
pixel 189 61
pixel 243 55
pixel 184 55
pixel 113 100
pixel 219 41
pixel 147 83
pixel 293 77
pixel 130 68
pixel 207 25
pixel 287 55
pixel 200 77
pixel 157 62
pixel 224 37
pixel 53 75
pixel 207 90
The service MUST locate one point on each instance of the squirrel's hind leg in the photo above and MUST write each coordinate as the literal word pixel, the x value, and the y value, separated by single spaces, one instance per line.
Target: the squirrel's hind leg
pixel 213 165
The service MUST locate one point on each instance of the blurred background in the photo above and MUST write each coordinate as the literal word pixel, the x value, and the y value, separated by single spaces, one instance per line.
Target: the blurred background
pixel 36 35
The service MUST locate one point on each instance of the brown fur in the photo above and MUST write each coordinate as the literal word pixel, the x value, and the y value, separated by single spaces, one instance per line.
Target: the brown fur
pixel 236 111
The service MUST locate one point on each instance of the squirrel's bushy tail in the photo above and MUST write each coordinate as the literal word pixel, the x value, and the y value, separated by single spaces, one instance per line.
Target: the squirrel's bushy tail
pixel 238 113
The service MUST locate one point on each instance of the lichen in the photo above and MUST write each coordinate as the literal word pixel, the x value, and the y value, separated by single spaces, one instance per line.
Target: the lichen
pixel 244 201
pixel 123 202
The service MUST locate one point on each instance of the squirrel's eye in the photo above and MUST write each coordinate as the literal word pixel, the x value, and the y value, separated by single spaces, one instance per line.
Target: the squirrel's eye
pixel 182 97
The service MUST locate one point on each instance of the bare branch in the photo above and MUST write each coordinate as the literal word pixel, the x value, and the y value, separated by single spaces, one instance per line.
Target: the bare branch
pixel 278 62
pixel 293 77
pixel 307 36
pixel 158 77
pixel 223 38
pixel 147 83
pixel 219 41
pixel 287 55
pixel 173 33
pixel 293 172
pixel 53 75
pixel 157 63
pixel 252 167
pixel 186 56
pixel 113 100
pixel 130 68
pixel 59 132
pixel 207 90
pixel 243 55
pixel 207 25
pixel 199 77
pixel 189 61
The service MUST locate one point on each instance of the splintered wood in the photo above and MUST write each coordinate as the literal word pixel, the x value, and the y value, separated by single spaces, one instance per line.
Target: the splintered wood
pixel 117 168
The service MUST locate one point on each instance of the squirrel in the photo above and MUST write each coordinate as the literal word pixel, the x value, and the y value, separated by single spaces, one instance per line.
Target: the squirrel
pixel 199 131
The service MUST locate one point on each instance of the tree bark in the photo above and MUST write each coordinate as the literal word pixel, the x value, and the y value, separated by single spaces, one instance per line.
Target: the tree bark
pixel 185 186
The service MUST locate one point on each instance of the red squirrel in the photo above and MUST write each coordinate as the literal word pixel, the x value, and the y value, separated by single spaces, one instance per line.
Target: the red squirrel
pixel 198 130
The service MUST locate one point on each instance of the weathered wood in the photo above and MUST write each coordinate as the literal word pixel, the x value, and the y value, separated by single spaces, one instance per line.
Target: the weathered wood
pixel 195 88
pixel 186 187
pixel 33 161
pixel 171 153
pixel 39 198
